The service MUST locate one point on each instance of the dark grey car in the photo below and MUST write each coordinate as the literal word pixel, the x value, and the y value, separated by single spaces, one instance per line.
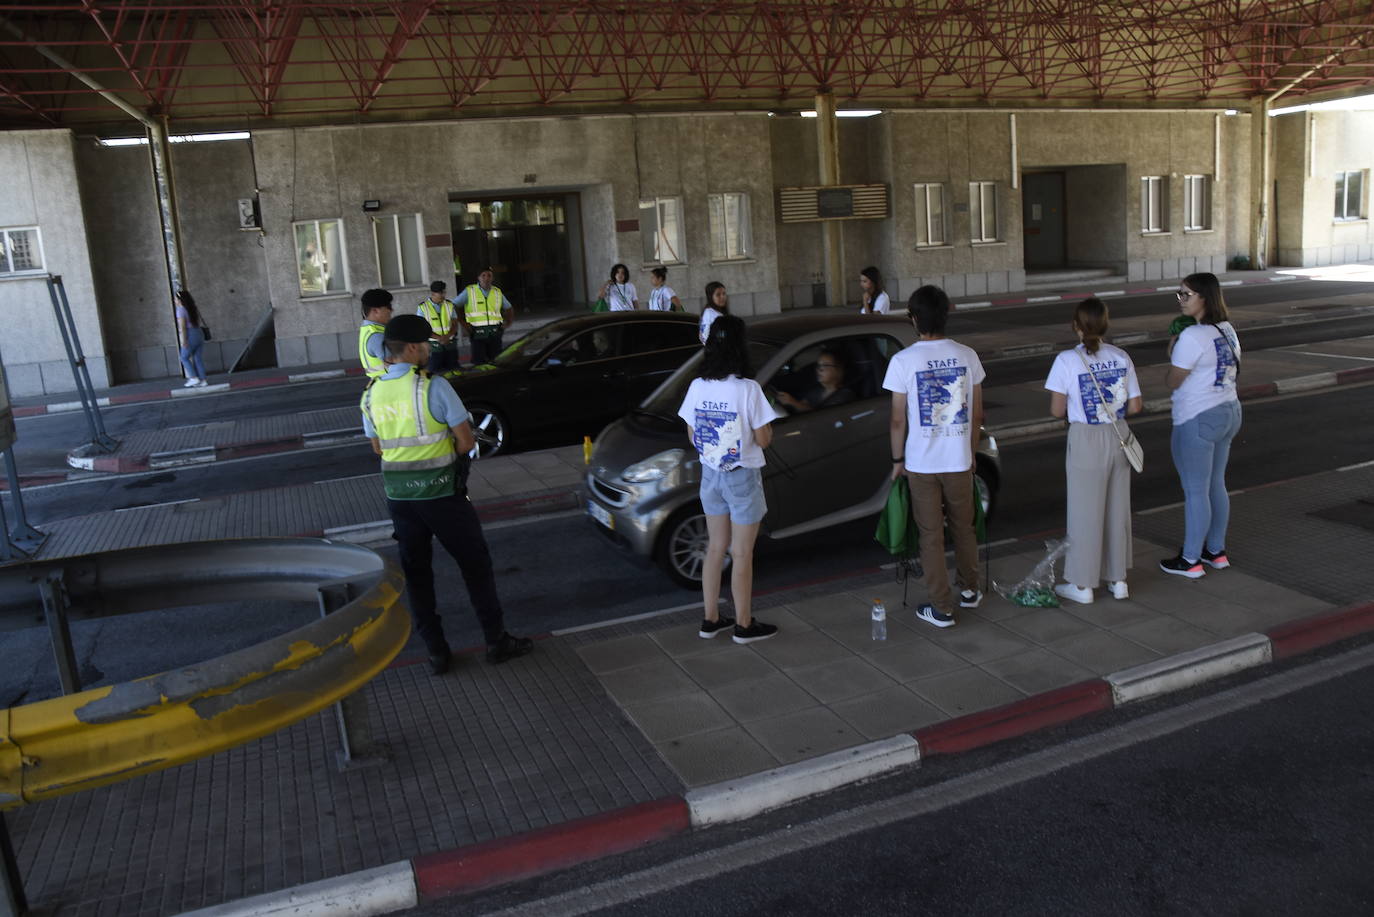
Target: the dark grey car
pixel 826 465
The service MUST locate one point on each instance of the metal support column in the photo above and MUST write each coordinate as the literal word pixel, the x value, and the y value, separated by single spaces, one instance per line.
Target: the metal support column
pixel 101 443
pixel 53 589
pixel 23 536
pixel 160 151
pixel 1259 184
pixel 832 231
pixel 12 900
pixel 357 748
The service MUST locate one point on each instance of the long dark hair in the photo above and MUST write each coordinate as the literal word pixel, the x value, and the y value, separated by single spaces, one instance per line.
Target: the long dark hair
pixel 616 269
pixel 875 277
pixel 711 298
pixel 189 302
pixel 1206 285
pixel 727 350
pixel 1090 318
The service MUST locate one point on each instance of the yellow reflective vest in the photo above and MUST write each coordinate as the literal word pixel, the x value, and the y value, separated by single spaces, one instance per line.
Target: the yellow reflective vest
pixel 419 455
pixel 482 308
pixel 440 315
pixel 371 365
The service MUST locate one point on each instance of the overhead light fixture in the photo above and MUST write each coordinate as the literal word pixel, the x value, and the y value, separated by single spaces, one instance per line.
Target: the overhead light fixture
pixel 371 206
pixel 1230 111
pixel 176 138
pixel 849 113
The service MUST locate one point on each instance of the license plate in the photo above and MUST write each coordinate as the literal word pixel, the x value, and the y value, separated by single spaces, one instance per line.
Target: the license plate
pixel 600 514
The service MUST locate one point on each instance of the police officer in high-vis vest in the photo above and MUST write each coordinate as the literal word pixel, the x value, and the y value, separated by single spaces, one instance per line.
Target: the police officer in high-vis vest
pixel 486 313
pixel 419 427
pixel 442 315
pixel 376 313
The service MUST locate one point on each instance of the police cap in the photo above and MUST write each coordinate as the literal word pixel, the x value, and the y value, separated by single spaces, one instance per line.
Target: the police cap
pixel 412 329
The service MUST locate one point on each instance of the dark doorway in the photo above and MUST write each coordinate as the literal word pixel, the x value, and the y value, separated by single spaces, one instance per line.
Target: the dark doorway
pixel 1042 217
pixel 527 243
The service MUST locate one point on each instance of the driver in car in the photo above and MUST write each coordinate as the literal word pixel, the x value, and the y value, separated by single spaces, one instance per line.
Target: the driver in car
pixel 828 390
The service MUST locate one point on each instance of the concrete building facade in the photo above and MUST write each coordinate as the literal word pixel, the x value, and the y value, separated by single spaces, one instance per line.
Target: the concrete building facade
pixel 976 201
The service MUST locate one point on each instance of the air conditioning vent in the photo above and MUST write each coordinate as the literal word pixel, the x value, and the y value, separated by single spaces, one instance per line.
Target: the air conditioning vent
pixel 833 202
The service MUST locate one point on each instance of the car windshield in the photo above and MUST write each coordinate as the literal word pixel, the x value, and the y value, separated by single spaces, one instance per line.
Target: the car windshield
pixel 524 351
pixel 665 401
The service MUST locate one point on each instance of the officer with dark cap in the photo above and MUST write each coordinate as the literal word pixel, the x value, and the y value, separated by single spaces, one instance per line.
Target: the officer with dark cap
pixel 442 315
pixel 424 470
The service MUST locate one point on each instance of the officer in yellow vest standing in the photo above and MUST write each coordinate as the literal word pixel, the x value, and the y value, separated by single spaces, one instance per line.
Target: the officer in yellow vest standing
pixel 442 316
pixel 376 313
pixel 419 426
pixel 486 313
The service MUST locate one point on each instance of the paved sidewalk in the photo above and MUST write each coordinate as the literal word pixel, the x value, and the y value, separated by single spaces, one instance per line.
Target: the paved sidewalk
pixel 607 735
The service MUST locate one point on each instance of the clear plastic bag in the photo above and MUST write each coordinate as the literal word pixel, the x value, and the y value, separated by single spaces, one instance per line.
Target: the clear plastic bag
pixel 1036 589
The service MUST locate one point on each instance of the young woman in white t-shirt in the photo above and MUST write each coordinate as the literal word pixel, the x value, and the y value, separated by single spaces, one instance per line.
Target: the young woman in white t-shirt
pixel 662 298
pixel 876 301
pixel 1092 384
pixel 619 293
pixel 717 304
pixel 1204 363
pixel 730 421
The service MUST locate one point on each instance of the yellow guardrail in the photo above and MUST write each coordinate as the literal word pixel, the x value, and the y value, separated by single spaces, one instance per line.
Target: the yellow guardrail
pixel 97 737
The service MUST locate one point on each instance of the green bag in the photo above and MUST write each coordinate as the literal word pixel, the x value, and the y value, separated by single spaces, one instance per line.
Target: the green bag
pixel 896 529
pixel 600 306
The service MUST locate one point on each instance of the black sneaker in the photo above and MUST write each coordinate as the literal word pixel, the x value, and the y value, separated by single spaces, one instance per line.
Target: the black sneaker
pixel 932 615
pixel 710 628
pixel 508 648
pixel 1179 566
pixel 439 662
pixel 1217 561
pixel 970 598
pixel 754 632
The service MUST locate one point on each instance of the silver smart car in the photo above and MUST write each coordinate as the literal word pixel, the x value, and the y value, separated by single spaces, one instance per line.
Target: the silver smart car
pixel 828 463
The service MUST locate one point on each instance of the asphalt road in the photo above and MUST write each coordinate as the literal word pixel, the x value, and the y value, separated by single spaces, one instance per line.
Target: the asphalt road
pixel 1245 801
pixel 570 575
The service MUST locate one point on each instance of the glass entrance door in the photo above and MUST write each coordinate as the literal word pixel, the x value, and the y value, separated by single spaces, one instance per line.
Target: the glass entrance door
pixel 525 242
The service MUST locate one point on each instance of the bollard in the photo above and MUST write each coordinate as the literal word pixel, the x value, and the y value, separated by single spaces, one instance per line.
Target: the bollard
pixel 357 747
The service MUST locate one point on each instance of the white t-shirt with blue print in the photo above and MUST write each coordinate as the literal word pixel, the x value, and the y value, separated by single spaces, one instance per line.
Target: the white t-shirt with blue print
pixel 723 415
pixel 1206 351
pixel 1115 375
pixel 937 378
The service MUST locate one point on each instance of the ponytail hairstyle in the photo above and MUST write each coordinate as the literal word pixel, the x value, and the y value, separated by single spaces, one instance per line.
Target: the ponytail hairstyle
pixel 1206 285
pixel 189 303
pixel 1090 320
pixel 875 277
pixel 727 350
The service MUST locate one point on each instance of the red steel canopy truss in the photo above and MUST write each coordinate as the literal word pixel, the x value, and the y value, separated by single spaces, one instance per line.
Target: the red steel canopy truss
pixel 241 63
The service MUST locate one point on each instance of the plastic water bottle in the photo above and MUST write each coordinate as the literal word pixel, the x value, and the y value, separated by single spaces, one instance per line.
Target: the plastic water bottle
pixel 879 620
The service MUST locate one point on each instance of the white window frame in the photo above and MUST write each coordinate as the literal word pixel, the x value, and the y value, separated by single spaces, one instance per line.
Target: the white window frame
pixel 394 220
pixel 980 194
pixel 1154 204
pixel 930 228
pixel 741 247
pixel 1197 203
pixel 1343 215
pixel 6 258
pixel 653 237
pixel 319 243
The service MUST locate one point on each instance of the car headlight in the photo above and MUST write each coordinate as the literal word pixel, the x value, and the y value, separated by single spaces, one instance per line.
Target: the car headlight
pixel 653 467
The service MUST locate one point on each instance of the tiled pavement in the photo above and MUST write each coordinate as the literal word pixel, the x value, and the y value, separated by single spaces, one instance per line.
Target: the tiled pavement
pixel 633 711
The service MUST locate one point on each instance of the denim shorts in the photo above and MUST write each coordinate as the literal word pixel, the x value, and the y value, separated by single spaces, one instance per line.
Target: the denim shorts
pixel 738 492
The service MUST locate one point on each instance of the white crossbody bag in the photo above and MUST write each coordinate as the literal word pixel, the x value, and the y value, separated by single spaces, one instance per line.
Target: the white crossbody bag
pixel 1135 453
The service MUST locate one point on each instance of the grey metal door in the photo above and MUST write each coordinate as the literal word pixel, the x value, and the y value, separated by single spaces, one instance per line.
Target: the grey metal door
pixel 1042 218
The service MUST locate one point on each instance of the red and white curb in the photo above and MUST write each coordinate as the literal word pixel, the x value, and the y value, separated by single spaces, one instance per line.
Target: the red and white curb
pixel 468 869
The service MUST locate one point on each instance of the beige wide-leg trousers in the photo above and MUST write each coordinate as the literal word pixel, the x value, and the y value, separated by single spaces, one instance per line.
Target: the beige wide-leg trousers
pixel 1099 506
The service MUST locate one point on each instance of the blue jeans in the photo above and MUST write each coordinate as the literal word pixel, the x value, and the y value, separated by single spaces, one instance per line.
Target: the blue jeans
pixel 1201 447
pixel 191 362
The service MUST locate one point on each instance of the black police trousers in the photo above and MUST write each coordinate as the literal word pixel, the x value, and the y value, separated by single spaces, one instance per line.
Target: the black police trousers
pixel 454 522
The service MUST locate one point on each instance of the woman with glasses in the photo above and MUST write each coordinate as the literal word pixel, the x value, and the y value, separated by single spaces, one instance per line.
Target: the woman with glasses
pixel 1206 412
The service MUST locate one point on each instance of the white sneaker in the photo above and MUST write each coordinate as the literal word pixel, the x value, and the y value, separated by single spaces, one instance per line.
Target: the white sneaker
pixel 1119 590
pixel 1080 594
pixel 191 383
pixel 202 383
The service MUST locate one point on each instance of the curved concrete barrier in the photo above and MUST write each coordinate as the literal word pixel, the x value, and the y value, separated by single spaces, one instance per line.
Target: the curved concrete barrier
pixel 96 737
